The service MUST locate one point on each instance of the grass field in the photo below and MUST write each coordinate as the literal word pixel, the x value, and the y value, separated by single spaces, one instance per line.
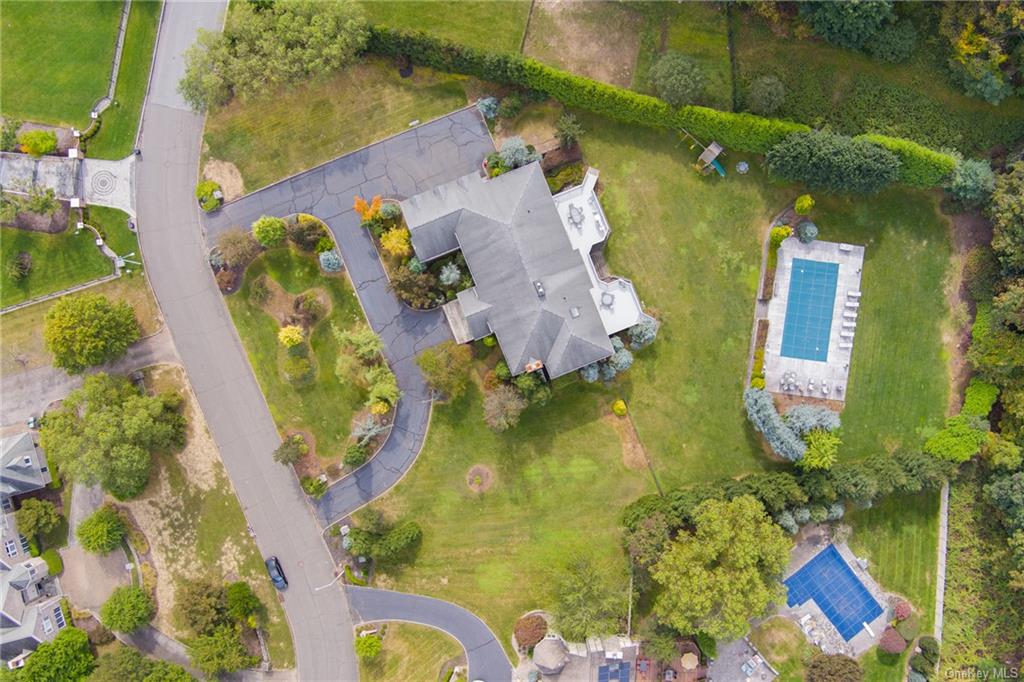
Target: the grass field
pixel 22 330
pixel 326 406
pixel 410 652
pixel 853 93
pixel 784 645
pixel 493 25
pixel 280 135
pixel 59 261
pixel 121 119
pixel 53 71
pixel 700 31
pixel 493 552
pixel 195 525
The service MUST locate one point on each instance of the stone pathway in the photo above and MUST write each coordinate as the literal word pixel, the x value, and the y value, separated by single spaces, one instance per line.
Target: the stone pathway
pixel 940 583
pixel 115 67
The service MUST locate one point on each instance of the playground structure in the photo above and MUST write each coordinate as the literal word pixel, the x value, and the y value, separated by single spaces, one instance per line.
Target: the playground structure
pixel 708 159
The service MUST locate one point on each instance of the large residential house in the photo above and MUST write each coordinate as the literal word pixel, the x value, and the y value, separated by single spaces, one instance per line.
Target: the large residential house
pixel 536 262
pixel 30 610
pixel 23 467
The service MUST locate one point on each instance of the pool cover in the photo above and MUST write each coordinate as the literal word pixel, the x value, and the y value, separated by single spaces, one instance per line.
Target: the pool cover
pixel 841 596
pixel 809 305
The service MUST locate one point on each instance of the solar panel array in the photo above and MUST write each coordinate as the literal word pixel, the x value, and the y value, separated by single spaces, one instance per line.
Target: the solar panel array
pixel 841 596
pixel 614 672
pixel 811 299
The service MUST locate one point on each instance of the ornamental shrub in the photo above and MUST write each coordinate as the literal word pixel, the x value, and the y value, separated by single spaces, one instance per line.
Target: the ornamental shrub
pixel 314 487
pixel 766 420
pixel 38 142
pixel 269 231
pixel 619 408
pixel 590 373
pixel 355 455
pixel 902 610
pixel 972 182
pixel 330 261
pixel 766 95
pixel 806 418
pixel 449 275
pixel 835 511
pixel 204 193
pixel 677 79
pixel 979 398
pixel 929 647
pixel 802 515
pixel 919 166
pixel 922 665
pixel 415 265
pixel 368 647
pixel 834 162
pixel 502 370
pixel 510 106
pixel 909 627
pixel 568 130
pixel 396 242
pixel 306 231
pixel 290 335
pixel 803 204
pixel 806 232
pixel 785 519
pixel 488 107
pixel 529 630
pixel 291 450
pixel 780 234
pixel 323 245
pixel 822 449
pixel 298 370
pixel 643 333
pixel 515 153
pixel 621 360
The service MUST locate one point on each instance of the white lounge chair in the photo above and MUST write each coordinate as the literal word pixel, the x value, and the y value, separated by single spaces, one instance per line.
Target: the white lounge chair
pixel 846 334
pixel 852 304
pixel 845 247
pixel 849 324
pixel 845 345
pixel 850 314
pixel 853 294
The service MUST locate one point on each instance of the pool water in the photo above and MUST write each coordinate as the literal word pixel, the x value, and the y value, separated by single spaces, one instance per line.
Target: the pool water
pixel 809 305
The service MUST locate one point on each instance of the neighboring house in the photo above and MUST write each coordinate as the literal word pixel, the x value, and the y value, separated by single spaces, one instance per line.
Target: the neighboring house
pixel 30 610
pixel 532 258
pixel 23 467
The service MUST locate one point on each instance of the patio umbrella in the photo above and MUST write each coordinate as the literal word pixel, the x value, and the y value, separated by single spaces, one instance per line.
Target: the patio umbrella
pixel 689 661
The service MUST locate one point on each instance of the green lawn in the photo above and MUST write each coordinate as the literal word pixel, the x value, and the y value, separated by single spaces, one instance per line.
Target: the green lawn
pixel 785 646
pixel 700 30
pixel 852 93
pixel 56 58
pixel 113 225
pixel 59 261
pixel 325 407
pixel 116 137
pixel 493 25
pixel 559 486
pixel 280 135
pixel 410 652
pixel 892 395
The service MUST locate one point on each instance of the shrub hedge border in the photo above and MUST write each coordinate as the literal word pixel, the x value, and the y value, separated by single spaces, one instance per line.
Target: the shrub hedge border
pixel 920 166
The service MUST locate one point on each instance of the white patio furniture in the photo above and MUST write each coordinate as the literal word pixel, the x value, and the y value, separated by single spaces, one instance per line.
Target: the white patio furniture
pixel 852 304
pixel 850 314
pixel 844 345
pixel 845 247
pixel 853 294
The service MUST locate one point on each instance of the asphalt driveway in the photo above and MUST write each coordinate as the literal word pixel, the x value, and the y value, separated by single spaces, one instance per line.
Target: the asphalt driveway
pixel 398 167
pixel 487 660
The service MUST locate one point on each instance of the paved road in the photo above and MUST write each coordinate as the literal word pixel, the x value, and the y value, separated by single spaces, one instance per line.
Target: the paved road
pixel 487 660
pixel 236 413
pixel 27 394
pixel 398 167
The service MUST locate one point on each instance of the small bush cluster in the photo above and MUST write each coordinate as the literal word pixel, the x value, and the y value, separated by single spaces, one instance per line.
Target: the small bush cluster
pixel 568 175
pixel 373 536
pixel 291 450
pixel 269 231
pixel 308 233
pixel 314 487
pixel 643 333
pixel 766 420
pixel 806 232
pixel 806 434
pixel 38 142
pixel 102 531
pixel 209 195
pixel 620 360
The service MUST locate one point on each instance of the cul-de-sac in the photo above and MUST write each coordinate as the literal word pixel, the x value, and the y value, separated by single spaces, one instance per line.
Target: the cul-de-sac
pixel 511 340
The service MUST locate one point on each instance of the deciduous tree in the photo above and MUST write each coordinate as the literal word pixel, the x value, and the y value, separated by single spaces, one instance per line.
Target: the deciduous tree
pixel 67 657
pixel 446 368
pixel 502 407
pixel 88 329
pixel 724 572
pixel 269 231
pixel 36 516
pixel 102 531
pixel 127 609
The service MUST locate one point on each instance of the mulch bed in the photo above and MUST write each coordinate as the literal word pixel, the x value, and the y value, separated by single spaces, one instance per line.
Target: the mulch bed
pixel 34 222
pixel 762 334
pixel 560 156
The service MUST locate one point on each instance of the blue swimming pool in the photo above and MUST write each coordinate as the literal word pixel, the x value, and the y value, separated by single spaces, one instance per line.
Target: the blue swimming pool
pixel 841 596
pixel 811 298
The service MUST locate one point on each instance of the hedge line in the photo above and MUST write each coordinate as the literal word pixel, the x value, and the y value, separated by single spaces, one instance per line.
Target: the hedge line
pixel 920 166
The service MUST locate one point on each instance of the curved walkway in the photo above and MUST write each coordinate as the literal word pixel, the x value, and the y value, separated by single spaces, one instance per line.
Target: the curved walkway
pixel 487 660
pixel 399 166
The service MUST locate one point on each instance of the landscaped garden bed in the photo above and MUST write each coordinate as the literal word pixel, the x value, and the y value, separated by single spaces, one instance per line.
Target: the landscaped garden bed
pixel 317 362
pixel 419 285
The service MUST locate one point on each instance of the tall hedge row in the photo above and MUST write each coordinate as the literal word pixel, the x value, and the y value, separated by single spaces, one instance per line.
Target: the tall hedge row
pixel 744 132
pixel 920 166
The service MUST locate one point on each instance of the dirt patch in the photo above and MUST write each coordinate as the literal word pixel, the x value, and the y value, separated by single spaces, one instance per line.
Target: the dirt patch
pixel 227 175
pixel 969 230
pixel 536 125
pixel 281 305
pixel 65 136
pixel 633 454
pixel 600 40
pixel 479 478
pixel 784 401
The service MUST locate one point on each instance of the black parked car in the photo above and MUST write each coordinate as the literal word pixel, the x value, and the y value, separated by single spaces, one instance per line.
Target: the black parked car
pixel 276 573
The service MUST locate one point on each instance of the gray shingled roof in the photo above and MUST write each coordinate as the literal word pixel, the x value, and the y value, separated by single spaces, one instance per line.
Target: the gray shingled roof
pixel 16 477
pixel 512 237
